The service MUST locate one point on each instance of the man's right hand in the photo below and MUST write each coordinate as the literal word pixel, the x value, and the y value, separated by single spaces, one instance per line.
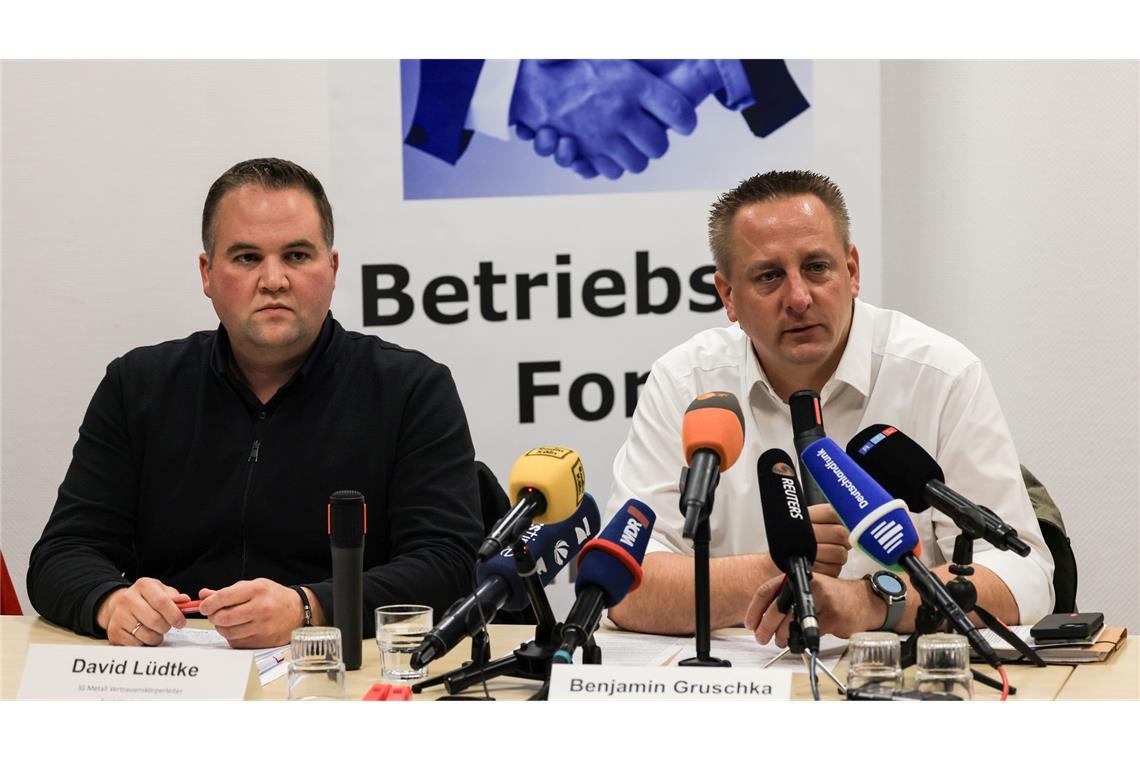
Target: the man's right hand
pixel 831 538
pixel 142 613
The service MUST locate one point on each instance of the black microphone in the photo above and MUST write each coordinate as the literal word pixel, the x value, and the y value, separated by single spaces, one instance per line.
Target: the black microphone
pixel 347 524
pixel 551 546
pixel 905 469
pixel 608 569
pixel 791 540
pixel 807 428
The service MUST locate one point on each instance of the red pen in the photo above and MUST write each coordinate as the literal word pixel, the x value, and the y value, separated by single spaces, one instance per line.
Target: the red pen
pixel 188 606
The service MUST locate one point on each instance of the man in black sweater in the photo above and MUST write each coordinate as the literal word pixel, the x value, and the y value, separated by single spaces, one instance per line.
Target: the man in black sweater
pixel 204 465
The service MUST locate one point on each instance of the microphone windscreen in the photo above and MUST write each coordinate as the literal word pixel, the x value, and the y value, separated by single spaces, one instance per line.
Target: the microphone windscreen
pixel 807 417
pixel 785 515
pixel 879 524
pixel 552 546
pixel 347 518
pixel 556 473
pixel 612 561
pixel 714 421
pixel 897 462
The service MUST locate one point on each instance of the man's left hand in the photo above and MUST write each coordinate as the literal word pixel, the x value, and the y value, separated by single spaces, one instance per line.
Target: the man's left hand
pixel 844 607
pixel 253 614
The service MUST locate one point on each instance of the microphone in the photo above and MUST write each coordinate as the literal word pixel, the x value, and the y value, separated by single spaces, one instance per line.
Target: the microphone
pixel 608 569
pixel 712 433
pixel 904 468
pixel 807 428
pixel 881 527
pixel 347 524
pixel 552 545
pixel 791 541
pixel 547 483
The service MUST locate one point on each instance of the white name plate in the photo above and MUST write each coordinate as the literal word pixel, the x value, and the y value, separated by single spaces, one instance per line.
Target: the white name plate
pixel 648 682
pixel 59 671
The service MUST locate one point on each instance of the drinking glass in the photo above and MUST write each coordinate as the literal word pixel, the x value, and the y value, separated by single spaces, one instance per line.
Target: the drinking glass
pixel 316 670
pixel 400 629
pixel 875 659
pixel 943 665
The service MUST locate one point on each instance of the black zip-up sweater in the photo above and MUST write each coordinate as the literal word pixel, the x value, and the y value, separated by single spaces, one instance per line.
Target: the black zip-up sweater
pixel 181 474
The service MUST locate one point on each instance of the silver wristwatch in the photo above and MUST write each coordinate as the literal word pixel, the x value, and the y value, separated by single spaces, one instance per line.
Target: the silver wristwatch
pixel 890 588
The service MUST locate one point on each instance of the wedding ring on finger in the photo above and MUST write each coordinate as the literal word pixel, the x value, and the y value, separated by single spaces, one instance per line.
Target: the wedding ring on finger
pixel 135 630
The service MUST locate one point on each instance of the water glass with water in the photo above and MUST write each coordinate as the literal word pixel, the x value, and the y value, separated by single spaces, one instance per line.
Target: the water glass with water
pixel 400 630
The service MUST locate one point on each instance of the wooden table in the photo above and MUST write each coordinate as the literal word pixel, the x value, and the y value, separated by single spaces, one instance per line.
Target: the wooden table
pixel 1117 678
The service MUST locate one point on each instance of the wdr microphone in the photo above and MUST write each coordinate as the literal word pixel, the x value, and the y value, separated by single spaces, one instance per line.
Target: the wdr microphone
pixel 608 569
pixel 552 546
pixel 712 433
pixel 791 540
pixel 881 527
pixel 347 518
pixel 547 483
pixel 906 470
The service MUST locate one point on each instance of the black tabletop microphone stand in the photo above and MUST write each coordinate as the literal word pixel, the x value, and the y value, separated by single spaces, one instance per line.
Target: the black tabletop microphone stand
pixel 697 530
pixel 532 659
pixel 963 591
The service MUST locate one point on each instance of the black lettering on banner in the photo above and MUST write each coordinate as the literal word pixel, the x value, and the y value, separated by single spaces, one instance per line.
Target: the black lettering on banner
pixel 645 275
pixel 578 389
pixel 563 286
pixel 528 390
pixel 374 294
pixel 633 383
pixel 433 297
pixel 486 281
pixel 591 291
pixel 524 283
pixel 701 281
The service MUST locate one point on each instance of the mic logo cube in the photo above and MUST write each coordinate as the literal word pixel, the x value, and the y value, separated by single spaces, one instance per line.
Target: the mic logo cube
pixel 561 550
pixel 889 534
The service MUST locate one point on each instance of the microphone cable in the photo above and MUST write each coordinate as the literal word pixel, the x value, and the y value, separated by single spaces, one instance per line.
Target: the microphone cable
pixel 483 630
pixel 1004 683
pixel 813 677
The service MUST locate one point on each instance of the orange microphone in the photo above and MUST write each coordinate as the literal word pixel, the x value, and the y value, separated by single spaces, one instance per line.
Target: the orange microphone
pixel 712 434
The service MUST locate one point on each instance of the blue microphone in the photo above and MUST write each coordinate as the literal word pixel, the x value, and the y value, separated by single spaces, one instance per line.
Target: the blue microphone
pixel 881 527
pixel 552 546
pixel 879 524
pixel 608 569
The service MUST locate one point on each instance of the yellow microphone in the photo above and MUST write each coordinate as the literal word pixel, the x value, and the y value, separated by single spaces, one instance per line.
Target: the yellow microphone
pixel 546 484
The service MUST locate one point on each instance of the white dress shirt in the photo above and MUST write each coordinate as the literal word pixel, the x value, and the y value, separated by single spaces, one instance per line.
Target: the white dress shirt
pixel 894 370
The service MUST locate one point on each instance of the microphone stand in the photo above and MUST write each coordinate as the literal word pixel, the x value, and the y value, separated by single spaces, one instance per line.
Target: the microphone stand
pixel 963 591
pixel 697 528
pixel 532 659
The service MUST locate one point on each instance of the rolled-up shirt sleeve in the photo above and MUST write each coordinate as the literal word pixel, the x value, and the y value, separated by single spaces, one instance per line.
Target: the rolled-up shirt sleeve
pixel 977 455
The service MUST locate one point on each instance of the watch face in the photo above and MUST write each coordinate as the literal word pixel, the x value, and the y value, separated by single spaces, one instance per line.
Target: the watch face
pixel 889 583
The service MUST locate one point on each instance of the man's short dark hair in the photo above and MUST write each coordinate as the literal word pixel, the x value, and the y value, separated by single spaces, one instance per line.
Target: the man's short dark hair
pixel 271 174
pixel 770 187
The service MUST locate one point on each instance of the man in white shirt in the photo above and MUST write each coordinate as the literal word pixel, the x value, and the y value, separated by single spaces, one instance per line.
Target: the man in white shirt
pixel 789 277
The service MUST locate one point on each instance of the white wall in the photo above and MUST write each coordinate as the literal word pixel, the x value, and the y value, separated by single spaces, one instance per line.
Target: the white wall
pixel 1011 210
